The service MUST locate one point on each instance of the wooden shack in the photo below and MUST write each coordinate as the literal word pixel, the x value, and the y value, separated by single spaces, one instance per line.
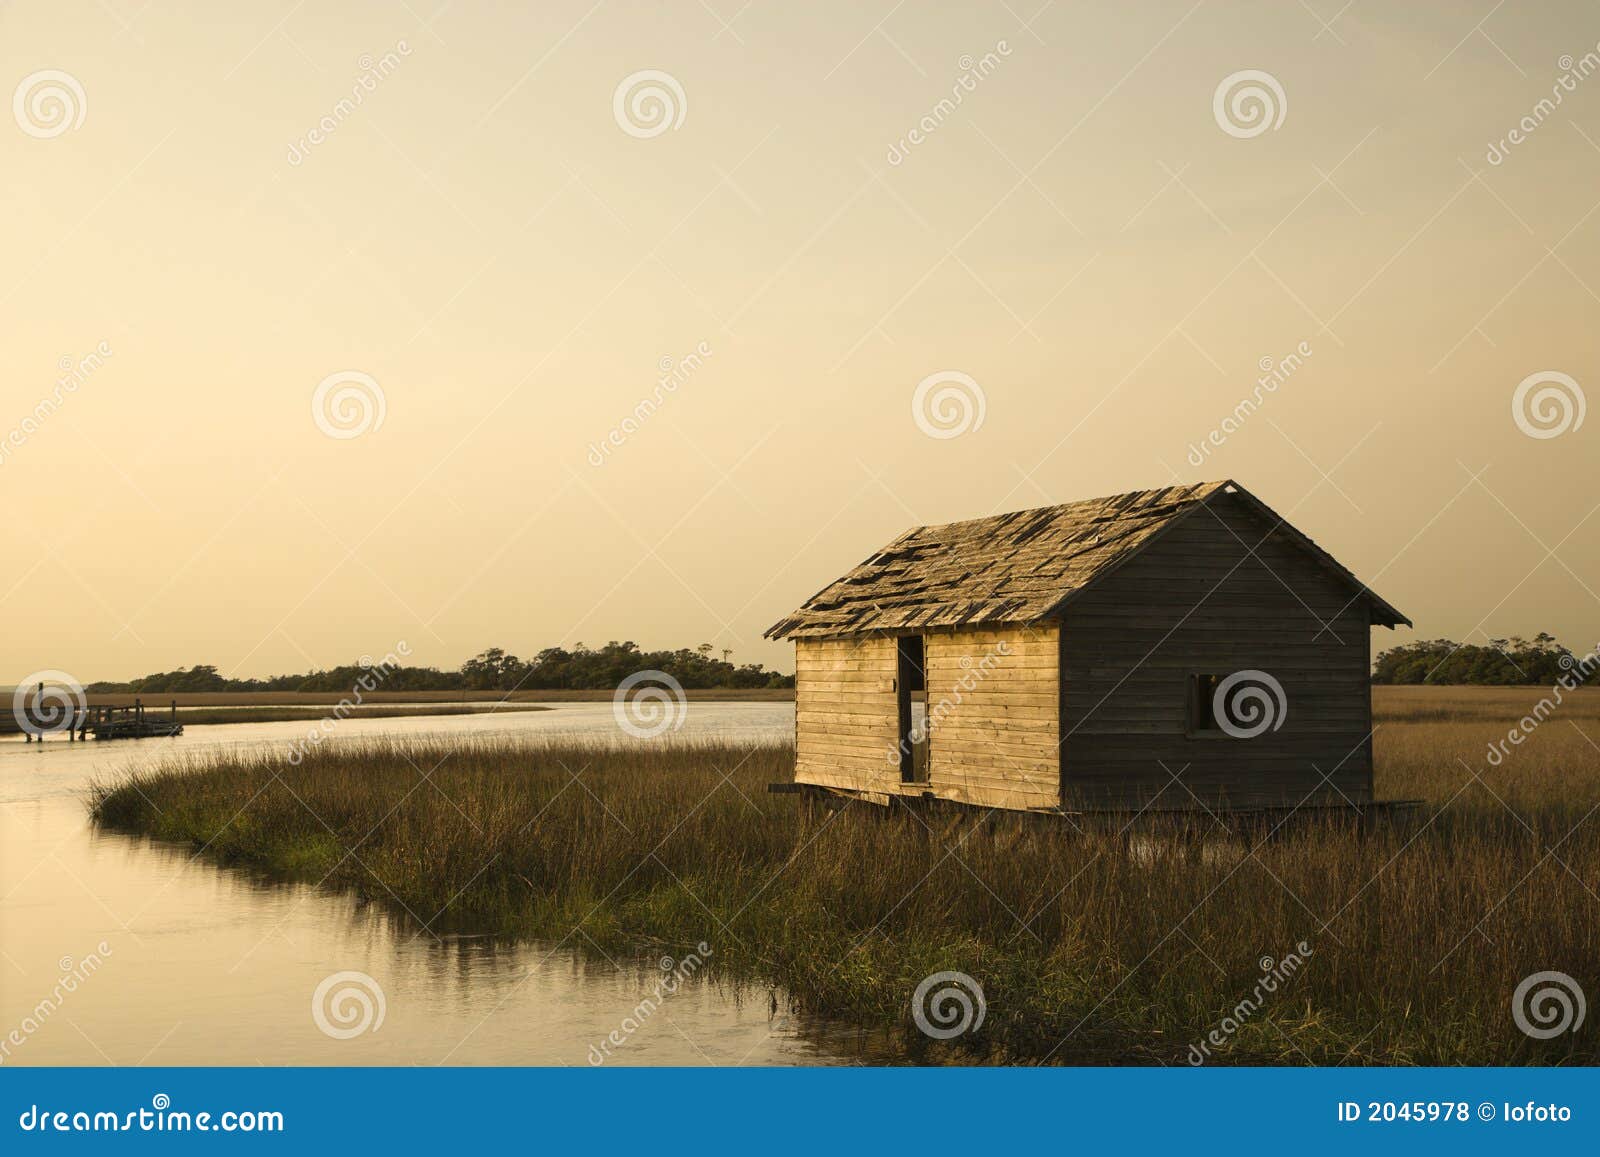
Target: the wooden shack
pixel 1164 649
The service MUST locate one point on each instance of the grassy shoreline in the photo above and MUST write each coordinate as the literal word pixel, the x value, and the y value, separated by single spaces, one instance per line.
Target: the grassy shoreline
pixel 1087 952
pixel 1390 703
pixel 319 698
pixel 268 714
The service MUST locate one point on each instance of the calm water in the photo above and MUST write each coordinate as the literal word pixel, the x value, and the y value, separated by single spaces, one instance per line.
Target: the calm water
pixel 203 965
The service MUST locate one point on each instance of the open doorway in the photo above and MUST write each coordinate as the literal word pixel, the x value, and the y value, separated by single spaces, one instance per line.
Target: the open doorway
pixel 911 689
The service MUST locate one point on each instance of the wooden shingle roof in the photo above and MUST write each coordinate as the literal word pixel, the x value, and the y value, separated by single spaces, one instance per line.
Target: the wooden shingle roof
pixel 1014 568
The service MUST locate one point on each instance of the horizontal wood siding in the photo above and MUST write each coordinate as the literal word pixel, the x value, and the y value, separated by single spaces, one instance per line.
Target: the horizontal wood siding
pixel 994 713
pixel 1197 600
pixel 846 726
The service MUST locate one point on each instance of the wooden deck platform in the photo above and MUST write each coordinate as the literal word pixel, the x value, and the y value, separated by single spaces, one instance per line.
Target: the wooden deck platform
pixel 130 722
pixel 1188 820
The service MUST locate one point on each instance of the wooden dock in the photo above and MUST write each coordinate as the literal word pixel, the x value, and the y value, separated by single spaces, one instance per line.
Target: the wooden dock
pixel 133 722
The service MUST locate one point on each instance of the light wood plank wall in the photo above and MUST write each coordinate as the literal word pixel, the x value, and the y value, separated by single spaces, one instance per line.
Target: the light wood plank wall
pixel 994 702
pixel 846 726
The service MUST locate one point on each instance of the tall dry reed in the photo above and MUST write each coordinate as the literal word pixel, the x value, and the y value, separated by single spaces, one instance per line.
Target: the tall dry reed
pixel 1089 947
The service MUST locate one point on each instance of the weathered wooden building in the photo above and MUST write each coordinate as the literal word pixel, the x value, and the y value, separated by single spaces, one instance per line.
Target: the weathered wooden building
pixel 1161 649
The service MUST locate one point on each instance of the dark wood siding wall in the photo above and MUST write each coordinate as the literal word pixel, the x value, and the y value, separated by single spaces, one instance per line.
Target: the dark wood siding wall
pixel 1198 601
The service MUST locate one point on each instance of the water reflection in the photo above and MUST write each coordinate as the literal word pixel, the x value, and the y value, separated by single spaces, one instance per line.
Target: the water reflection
pixel 212 966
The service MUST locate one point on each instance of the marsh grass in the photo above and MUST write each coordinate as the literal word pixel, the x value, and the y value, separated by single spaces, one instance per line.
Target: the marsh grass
pixel 281 714
pixel 1473 705
pixel 1089 948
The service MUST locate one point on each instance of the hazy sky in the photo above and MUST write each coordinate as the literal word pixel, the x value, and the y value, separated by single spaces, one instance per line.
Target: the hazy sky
pixel 510 253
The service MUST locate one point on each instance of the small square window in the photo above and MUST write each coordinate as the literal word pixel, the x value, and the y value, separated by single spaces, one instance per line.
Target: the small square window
pixel 1202 715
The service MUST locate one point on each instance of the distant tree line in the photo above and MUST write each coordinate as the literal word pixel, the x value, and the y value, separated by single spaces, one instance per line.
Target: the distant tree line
pixel 1499 662
pixel 554 668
